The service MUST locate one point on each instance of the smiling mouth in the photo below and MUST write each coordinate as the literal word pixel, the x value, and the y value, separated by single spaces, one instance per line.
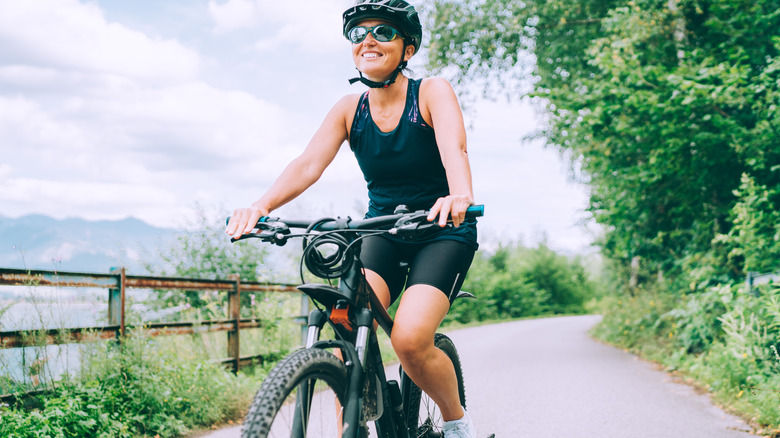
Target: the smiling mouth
pixel 371 55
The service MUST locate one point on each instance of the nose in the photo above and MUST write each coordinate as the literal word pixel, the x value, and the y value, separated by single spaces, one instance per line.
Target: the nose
pixel 370 39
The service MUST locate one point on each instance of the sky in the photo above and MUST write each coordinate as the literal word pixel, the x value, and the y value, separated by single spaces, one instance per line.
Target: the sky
pixel 112 109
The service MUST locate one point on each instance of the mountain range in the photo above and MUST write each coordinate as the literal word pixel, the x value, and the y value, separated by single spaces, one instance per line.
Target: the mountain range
pixel 80 245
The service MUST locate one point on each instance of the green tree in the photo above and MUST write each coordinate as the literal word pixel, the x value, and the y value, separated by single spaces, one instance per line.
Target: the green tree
pixel 663 105
pixel 754 242
pixel 203 250
pixel 669 111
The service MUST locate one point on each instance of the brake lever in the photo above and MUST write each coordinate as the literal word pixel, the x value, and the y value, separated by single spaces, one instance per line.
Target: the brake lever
pixel 269 231
pixel 415 222
pixel 263 235
pixel 412 223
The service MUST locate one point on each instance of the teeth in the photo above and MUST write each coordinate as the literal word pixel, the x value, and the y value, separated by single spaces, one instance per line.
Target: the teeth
pixel 371 55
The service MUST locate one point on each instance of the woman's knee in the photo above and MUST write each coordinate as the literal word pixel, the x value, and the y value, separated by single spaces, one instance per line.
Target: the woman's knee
pixel 419 314
pixel 411 345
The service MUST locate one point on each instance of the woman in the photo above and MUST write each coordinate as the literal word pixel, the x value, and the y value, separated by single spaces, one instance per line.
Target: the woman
pixel 409 139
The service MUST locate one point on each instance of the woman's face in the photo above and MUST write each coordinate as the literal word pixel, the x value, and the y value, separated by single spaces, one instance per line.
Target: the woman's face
pixel 377 59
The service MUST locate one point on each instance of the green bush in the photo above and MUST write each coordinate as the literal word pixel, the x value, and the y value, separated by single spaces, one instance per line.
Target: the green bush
pixel 515 281
pixel 136 389
pixel 754 241
pixel 635 322
pixel 698 318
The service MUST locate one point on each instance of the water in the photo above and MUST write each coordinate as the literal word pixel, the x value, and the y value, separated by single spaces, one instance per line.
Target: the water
pixel 34 308
pixel 30 308
pixel 54 314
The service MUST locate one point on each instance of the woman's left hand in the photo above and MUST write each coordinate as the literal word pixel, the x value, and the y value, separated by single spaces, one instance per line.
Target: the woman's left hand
pixel 452 206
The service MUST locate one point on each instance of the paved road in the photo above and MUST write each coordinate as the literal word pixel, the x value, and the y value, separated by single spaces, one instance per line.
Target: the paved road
pixel 546 378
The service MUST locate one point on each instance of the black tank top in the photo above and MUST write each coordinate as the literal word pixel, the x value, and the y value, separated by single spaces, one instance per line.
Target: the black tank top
pixel 403 166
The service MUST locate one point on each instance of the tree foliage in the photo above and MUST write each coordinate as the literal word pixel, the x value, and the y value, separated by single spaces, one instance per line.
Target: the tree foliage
pixel 203 250
pixel 664 105
pixel 515 281
pixel 669 109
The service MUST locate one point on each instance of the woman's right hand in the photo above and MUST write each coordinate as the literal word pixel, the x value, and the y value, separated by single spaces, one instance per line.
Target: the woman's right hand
pixel 243 220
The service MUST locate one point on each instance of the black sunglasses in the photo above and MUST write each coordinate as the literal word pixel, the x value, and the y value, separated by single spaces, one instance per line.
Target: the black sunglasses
pixel 381 32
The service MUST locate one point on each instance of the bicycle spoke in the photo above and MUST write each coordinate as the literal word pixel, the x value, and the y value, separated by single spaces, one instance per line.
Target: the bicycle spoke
pixel 324 416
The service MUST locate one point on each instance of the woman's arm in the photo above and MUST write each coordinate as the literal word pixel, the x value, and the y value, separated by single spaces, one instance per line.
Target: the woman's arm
pixel 302 172
pixel 440 105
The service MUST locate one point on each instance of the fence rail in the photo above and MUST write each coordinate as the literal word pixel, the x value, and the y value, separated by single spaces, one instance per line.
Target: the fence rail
pixel 117 282
pixel 754 279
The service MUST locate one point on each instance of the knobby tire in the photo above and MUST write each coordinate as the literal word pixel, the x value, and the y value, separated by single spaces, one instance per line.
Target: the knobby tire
pixel 273 411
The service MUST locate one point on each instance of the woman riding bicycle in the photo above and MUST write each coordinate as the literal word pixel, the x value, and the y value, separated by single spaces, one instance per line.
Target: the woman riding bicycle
pixel 410 142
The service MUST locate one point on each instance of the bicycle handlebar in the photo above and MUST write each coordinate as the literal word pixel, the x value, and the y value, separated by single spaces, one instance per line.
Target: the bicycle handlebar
pixel 276 230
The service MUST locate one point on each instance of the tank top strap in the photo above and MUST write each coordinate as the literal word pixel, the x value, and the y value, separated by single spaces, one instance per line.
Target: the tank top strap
pixel 362 116
pixel 412 109
pixel 363 103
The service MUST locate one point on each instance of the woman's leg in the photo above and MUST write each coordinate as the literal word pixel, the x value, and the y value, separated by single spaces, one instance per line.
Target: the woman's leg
pixel 435 277
pixel 420 312
pixel 379 287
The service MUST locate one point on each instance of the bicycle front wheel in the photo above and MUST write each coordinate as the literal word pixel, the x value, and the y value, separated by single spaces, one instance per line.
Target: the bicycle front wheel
pixel 423 417
pixel 302 397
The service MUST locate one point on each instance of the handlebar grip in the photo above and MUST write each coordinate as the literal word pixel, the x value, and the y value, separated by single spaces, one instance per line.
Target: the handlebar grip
pixel 259 221
pixel 475 211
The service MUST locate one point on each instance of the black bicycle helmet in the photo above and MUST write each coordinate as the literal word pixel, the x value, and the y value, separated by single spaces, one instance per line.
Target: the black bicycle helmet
pixel 398 12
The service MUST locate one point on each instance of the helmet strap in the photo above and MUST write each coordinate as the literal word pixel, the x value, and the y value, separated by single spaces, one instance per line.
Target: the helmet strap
pixel 384 84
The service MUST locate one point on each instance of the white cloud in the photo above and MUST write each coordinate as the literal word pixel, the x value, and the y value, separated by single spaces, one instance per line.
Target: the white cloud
pixel 313 25
pixel 69 35
pixel 86 133
pixel 137 149
pixel 92 199
pixel 101 121
pixel 523 185
pixel 235 14
pixel 5 171
pixel 63 252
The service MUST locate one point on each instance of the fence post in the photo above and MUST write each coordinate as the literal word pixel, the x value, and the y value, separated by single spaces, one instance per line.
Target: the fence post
pixel 234 313
pixel 749 283
pixel 116 301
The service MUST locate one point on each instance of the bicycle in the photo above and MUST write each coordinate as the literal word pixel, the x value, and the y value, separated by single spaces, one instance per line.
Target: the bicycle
pixel 314 393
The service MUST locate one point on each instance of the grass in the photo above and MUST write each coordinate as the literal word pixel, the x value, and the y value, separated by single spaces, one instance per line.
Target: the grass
pixel 161 387
pixel 142 388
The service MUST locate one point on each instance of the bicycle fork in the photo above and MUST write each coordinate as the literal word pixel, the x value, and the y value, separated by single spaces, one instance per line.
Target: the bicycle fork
pixel 354 362
pixel 354 357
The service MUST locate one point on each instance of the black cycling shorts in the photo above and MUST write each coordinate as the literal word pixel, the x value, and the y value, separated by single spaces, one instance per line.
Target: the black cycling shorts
pixel 441 263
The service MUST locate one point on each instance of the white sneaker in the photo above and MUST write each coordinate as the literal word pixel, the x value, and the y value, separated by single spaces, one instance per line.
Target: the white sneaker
pixel 463 428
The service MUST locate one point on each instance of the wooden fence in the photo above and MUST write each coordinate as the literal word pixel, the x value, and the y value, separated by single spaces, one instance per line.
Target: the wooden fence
pixel 754 279
pixel 118 282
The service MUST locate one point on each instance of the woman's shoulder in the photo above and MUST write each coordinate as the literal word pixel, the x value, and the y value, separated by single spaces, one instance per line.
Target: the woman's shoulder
pixel 435 84
pixel 347 104
pixel 436 93
pixel 346 107
pixel 435 90
pixel 348 101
